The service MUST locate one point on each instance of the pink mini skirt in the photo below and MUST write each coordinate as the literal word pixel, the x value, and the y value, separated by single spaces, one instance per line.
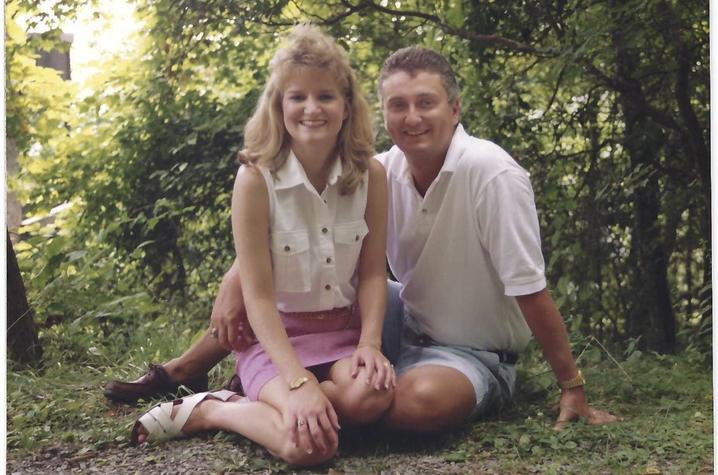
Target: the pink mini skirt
pixel 317 337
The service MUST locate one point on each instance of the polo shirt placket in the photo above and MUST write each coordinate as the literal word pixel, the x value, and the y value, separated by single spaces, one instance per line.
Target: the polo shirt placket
pixel 423 209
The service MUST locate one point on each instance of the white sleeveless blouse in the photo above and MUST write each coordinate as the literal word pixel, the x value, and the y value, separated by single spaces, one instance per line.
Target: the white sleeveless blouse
pixel 315 239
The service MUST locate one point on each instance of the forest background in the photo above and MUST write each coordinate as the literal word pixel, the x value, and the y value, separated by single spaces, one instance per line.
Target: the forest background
pixel 606 103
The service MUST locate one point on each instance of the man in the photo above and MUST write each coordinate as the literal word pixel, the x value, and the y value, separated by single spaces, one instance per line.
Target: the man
pixel 463 241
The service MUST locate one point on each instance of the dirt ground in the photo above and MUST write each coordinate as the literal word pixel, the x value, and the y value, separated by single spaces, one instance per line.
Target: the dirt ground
pixel 218 455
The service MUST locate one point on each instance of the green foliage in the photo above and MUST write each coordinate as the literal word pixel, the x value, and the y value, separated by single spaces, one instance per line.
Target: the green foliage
pixel 64 404
pixel 662 399
pixel 145 159
pixel 36 98
pixel 550 84
pixel 145 162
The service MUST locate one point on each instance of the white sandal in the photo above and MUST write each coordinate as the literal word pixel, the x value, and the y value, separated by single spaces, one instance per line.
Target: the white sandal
pixel 158 421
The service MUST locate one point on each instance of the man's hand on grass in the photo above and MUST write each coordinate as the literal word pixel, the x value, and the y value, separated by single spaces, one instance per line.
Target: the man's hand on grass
pixel 574 406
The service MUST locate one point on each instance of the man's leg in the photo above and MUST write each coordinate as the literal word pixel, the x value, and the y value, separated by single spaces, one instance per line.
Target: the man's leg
pixel 393 322
pixel 201 357
pixel 441 387
pixel 190 370
pixel 421 401
pixel 431 398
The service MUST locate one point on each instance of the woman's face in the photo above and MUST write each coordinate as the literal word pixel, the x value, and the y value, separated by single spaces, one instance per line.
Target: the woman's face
pixel 314 110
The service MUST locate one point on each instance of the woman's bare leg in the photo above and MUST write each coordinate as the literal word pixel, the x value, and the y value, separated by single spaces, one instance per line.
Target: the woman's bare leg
pixel 259 421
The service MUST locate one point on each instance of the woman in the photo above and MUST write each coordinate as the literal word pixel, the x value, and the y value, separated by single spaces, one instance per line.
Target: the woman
pixel 309 225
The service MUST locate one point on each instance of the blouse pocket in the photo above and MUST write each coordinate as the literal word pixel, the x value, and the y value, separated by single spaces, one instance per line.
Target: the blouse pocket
pixel 348 238
pixel 290 261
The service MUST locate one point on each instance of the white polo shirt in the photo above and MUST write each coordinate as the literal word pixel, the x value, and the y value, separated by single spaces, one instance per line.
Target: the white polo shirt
pixel 464 250
pixel 315 240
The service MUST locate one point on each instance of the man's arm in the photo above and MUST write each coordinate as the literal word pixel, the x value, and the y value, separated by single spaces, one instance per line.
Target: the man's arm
pixel 548 328
pixel 228 314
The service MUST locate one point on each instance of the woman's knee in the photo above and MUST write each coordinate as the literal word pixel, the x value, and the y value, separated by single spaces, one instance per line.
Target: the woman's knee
pixel 360 403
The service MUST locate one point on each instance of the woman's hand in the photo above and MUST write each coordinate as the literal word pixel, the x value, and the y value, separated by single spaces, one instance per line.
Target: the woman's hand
pixel 379 372
pixel 310 418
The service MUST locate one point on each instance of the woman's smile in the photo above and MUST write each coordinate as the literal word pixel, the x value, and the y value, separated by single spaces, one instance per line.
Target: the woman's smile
pixel 314 110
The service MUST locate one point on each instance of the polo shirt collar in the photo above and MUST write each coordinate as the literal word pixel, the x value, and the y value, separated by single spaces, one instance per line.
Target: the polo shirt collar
pixel 451 161
pixel 292 173
pixel 456 148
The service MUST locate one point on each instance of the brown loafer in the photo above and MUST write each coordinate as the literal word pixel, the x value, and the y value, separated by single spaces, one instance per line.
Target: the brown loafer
pixel 155 384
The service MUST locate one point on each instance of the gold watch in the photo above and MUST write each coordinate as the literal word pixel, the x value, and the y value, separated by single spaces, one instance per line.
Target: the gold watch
pixel 298 383
pixel 574 382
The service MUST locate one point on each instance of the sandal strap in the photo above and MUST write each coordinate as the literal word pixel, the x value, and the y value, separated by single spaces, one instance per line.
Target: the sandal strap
pixel 224 394
pixel 160 424
pixel 190 402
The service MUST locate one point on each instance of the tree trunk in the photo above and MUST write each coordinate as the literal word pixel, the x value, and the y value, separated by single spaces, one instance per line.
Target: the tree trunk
pixel 695 137
pixel 651 316
pixel 22 341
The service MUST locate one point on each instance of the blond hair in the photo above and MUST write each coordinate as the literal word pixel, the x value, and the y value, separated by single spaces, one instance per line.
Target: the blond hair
pixel 266 141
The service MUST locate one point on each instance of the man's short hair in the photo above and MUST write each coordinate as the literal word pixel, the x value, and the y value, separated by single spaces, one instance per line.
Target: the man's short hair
pixel 414 59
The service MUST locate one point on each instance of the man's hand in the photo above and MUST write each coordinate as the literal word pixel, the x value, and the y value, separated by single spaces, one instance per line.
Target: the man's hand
pixel 573 406
pixel 546 323
pixel 228 322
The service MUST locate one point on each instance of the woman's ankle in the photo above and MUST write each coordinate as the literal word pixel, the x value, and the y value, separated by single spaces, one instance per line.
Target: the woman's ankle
pixel 200 419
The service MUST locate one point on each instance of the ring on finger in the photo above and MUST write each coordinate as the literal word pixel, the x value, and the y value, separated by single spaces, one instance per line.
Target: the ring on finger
pixel 213 332
pixel 300 423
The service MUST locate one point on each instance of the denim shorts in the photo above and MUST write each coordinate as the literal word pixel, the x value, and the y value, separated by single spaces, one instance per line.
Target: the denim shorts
pixel 494 381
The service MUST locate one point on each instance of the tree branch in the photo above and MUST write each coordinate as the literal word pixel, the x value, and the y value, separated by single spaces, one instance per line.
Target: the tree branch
pixel 555 89
pixel 494 40
pixel 633 91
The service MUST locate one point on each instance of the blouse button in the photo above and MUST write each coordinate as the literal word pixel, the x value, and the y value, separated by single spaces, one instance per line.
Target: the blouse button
pixel 328 287
pixel 329 260
pixel 287 248
pixel 356 238
pixel 324 230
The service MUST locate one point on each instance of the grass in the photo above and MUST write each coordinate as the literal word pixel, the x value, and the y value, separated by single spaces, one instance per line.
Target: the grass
pixel 666 402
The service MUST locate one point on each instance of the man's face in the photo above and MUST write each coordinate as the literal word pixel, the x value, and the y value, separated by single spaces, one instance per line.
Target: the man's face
pixel 418 115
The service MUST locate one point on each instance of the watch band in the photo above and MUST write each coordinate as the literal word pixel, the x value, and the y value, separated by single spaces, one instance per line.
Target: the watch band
pixel 574 382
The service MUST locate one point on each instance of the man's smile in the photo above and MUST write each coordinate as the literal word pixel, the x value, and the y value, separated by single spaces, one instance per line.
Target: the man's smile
pixel 416 134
